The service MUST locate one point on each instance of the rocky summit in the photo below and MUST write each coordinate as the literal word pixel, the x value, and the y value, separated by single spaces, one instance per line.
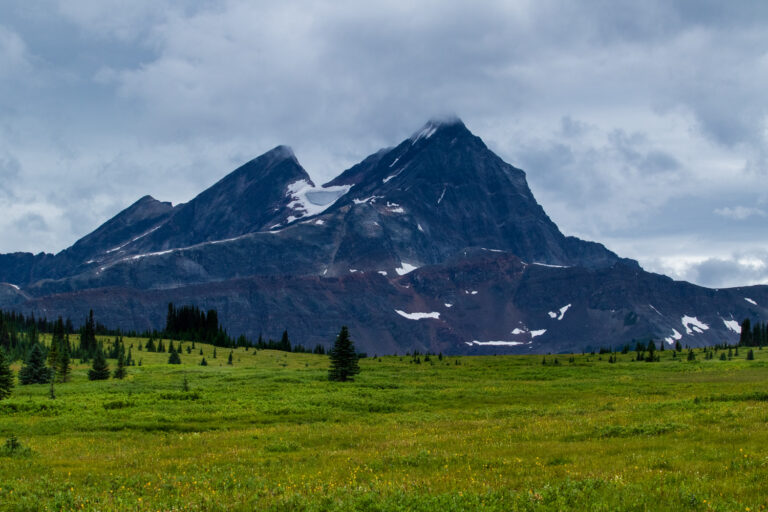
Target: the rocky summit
pixel 434 245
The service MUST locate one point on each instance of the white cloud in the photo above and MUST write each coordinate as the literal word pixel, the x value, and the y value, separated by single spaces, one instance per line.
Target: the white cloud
pixel 739 212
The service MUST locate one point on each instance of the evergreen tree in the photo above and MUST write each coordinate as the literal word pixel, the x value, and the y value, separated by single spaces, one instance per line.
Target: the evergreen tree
pixel 34 370
pixel 150 345
pixel 88 345
pixel 214 352
pixel 173 357
pixel 53 353
pixel 745 338
pixel 285 343
pixel 120 371
pixel 100 368
pixel 691 355
pixel 63 365
pixel 343 358
pixel 651 351
pixel 750 355
pixel 203 362
pixel 6 376
pixel 229 360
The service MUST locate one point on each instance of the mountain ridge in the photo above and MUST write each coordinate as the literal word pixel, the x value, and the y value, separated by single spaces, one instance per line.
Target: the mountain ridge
pixel 385 246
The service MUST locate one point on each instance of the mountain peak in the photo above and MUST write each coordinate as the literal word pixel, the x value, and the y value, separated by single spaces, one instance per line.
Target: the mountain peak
pixel 438 123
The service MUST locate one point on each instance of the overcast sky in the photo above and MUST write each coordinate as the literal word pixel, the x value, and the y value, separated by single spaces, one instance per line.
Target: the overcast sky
pixel 641 125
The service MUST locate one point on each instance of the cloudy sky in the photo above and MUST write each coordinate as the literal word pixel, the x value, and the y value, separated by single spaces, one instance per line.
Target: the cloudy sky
pixel 642 125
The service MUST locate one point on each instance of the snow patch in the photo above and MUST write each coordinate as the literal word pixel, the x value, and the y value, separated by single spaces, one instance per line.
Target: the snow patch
pixel 405 268
pixel 448 305
pixel 396 173
pixel 491 250
pixel 553 314
pixel 517 330
pixel 733 325
pixel 15 287
pixel 138 237
pixel 395 208
pixel 750 301
pixel 425 133
pixel 418 316
pixel 353 270
pixel 538 333
pixel 496 343
pixel 307 200
pixel 442 195
pixel 420 228
pixel 550 266
pixel 319 222
pixel 656 310
pixel 382 272
pixel 371 199
pixel 693 325
pixel 158 253
pixel 675 336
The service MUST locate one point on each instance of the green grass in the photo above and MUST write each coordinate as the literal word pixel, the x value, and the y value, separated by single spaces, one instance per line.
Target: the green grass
pixel 491 433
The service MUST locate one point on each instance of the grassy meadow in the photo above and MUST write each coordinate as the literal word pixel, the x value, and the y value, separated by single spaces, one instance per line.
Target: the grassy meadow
pixel 504 433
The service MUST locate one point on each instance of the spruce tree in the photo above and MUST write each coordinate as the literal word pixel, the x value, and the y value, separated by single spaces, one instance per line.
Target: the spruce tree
pixel 6 376
pixel 34 370
pixel 343 358
pixel 100 368
pixel 120 371
pixel 203 362
pixel 229 360
pixel 63 365
pixel 174 358
pixel 285 343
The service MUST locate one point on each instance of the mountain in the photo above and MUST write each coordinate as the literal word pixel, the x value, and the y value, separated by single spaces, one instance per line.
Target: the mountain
pixel 435 244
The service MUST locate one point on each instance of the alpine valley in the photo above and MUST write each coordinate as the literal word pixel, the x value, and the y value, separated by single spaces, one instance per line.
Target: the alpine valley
pixel 433 245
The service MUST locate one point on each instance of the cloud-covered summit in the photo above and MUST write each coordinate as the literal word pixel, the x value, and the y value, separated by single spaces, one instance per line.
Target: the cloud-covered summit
pixel 641 125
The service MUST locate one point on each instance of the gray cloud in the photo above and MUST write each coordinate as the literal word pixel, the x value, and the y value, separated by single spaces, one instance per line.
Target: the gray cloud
pixel 634 120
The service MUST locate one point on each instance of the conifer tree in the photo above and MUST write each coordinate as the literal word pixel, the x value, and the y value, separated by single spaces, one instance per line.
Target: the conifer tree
pixel 63 364
pixel 6 376
pixel 88 345
pixel 174 358
pixel 203 362
pixel 745 337
pixel 285 343
pixel 100 368
pixel 34 370
pixel 120 371
pixel 53 353
pixel 150 345
pixel 214 352
pixel 750 355
pixel 229 360
pixel 343 358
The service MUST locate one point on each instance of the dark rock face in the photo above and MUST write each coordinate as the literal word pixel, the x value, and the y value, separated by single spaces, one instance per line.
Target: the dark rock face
pixel 436 244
